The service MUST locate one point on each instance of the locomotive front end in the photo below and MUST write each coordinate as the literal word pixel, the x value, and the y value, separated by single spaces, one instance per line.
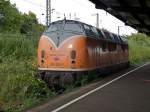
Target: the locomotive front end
pixel 61 51
pixel 61 47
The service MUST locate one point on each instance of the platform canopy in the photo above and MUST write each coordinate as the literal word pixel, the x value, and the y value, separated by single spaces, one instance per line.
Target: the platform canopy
pixel 135 13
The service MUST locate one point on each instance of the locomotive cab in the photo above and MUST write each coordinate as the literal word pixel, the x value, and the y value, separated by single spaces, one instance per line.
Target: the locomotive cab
pixel 61 46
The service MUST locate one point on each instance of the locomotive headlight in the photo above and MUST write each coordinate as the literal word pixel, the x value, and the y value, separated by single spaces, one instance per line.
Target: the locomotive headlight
pixel 42 55
pixel 73 54
pixel 70 46
pixel 73 59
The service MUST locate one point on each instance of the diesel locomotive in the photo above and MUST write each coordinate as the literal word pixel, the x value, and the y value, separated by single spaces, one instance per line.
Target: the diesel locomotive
pixel 70 48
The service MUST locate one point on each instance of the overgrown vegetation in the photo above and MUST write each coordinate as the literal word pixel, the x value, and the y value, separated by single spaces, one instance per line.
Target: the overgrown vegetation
pixel 18 63
pixel 139 48
pixel 19 89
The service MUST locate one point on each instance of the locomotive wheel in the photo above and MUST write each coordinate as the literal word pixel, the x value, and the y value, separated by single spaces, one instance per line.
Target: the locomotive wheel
pixel 66 79
pixel 58 81
pixel 47 79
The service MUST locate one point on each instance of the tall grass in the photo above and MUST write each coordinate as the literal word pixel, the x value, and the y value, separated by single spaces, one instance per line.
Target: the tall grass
pixel 139 48
pixel 19 89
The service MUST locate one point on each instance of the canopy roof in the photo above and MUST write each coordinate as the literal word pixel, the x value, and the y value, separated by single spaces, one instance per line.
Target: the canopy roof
pixel 135 13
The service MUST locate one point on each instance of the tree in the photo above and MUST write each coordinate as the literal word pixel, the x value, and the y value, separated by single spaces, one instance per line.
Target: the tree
pixel 30 24
pixel 11 17
pixel 11 20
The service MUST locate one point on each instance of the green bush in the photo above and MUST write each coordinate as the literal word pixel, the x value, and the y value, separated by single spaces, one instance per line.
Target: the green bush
pixel 18 59
pixel 139 48
pixel 18 47
pixel 18 63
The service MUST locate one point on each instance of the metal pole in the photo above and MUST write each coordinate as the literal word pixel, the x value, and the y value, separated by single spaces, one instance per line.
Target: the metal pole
pixel 64 16
pixel 75 16
pixel 70 15
pixel 48 12
pixel 118 30
pixel 97 20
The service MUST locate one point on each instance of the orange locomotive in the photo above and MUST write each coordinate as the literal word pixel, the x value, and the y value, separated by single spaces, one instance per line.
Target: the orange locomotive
pixel 68 48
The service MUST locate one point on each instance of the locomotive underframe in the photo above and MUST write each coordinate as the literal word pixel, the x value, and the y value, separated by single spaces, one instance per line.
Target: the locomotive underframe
pixel 59 79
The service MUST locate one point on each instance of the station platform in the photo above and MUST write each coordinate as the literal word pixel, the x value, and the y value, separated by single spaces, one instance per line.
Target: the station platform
pixel 128 93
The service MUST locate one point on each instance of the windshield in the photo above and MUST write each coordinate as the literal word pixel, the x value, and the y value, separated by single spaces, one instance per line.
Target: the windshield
pixel 61 30
pixel 73 27
pixel 65 26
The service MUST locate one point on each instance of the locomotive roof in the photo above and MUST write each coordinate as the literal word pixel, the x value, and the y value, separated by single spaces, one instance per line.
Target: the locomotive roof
pixel 94 32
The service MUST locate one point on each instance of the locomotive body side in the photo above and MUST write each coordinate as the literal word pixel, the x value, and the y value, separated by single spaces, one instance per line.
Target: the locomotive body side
pixel 101 54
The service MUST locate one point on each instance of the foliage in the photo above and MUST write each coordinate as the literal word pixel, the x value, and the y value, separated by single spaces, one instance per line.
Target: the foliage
pixel 139 48
pixel 19 88
pixel 14 21
pixel 18 51
pixel 30 24
pixel 12 17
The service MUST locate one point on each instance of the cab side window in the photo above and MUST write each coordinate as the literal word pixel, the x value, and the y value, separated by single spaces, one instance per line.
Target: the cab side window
pixel 89 31
pixel 112 47
pixel 100 34
pixel 94 31
pixel 104 47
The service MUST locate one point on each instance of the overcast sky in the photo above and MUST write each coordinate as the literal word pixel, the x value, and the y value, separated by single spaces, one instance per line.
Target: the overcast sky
pixel 84 10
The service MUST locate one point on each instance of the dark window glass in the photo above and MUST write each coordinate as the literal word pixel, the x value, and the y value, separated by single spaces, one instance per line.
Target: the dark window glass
pixel 73 27
pixel 112 37
pixel 67 34
pixel 54 27
pixel 120 40
pixel 112 47
pixel 124 40
pixel 123 47
pixel 100 34
pixel 103 34
pixel 104 47
pixel 89 31
pixel 94 30
pixel 116 38
pixel 107 35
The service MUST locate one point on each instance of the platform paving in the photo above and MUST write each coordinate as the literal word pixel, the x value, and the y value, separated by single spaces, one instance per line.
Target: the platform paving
pixel 130 93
